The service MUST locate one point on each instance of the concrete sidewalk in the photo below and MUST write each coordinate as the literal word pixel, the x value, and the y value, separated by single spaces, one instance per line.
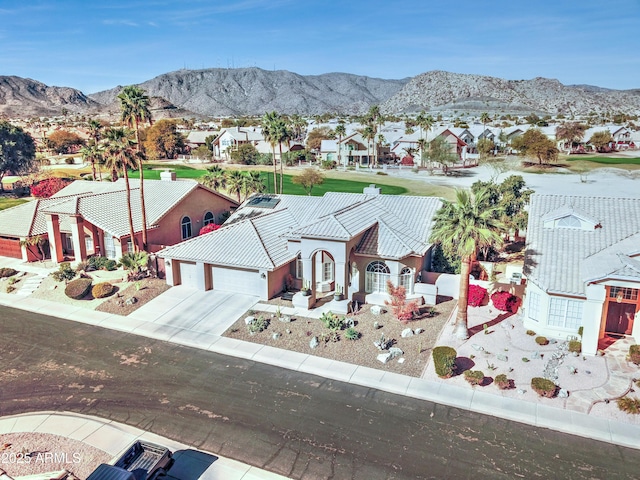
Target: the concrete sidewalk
pixel 114 438
pixel 476 400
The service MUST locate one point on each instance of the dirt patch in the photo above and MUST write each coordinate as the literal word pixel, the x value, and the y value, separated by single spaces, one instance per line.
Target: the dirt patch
pixel 33 453
pixel 53 291
pixel 297 334
pixel 143 291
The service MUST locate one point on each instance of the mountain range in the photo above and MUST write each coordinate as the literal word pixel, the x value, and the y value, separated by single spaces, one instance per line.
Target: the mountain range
pixel 254 91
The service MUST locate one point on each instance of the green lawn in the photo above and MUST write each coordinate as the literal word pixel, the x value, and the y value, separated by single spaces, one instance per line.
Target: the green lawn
pixel 329 185
pixel 605 160
pixel 7 202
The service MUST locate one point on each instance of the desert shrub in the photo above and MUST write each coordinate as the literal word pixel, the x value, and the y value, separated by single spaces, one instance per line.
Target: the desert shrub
pixel 531 333
pixel 101 290
pixel 83 266
pixel 502 382
pixel 102 263
pixel 351 334
pixel 575 346
pixel 69 160
pixel 403 310
pixel 258 324
pixel 78 288
pixel 474 377
pixel 332 336
pixel 477 295
pixel 629 405
pixel 64 273
pixel 7 272
pixel 328 164
pixel 543 387
pixel 10 288
pixel 332 321
pixel 634 354
pixel 542 341
pixel 444 361
pixel 505 302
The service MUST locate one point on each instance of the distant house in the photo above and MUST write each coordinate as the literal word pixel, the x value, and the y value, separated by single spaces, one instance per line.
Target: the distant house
pixel 231 138
pixel 90 218
pixel 197 138
pixel 352 243
pixel 582 263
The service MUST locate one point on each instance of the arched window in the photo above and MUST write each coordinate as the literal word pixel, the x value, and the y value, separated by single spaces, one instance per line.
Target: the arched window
pixel 406 279
pixel 186 227
pixel 570 221
pixel 208 218
pixel 376 277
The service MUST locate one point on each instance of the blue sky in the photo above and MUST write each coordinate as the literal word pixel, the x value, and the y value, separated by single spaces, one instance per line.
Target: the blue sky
pixel 93 45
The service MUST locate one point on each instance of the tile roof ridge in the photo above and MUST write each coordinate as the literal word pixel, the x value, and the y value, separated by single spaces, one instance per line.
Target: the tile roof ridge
pixel 34 215
pixel 264 247
pixel 607 247
pixel 393 232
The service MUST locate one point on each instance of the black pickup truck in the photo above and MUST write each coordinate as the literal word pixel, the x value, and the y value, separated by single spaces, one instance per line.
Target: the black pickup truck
pixel 141 461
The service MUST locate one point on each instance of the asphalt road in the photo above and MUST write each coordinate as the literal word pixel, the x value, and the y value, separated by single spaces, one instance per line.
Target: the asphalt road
pixel 298 425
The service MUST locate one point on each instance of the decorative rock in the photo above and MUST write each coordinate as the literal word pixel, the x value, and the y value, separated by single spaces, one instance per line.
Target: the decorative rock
pixel 507 325
pixel 401 360
pixel 384 357
pixel 275 336
pixel 349 322
pixel 477 347
pixel 376 309
pixel 314 342
pixel 553 341
pixel 249 320
pixel 376 325
pixel 130 301
pixel 572 370
pixel 521 391
pixel 418 331
pixel 563 393
pixel 406 333
pixel 502 358
pixel 588 372
pixel 395 352
pixel 285 319
pixel 288 331
pixel 536 355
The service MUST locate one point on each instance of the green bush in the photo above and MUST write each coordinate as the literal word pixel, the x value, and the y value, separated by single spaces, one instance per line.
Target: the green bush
pixel 351 334
pixel 629 405
pixel 258 324
pixel 64 273
pixel 502 382
pixel 444 361
pixel 101 290
pixel 78 288
pixel 542 341
pixel 543 387
pixel 102 263
pixel 634 354
pixel 332 321
pixel 474 377
pixel 7 272
pixel 328 164
pixel 575 346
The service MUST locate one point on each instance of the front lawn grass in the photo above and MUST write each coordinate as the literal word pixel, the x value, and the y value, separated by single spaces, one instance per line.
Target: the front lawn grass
pixel 606 160
pixel 8 202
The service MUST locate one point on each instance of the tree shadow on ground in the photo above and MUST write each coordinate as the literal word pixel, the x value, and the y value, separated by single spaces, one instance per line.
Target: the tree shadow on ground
pixel 479 328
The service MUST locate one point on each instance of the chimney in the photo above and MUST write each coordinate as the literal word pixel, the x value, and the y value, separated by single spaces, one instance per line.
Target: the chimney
pixel 168 175
pixel 371 190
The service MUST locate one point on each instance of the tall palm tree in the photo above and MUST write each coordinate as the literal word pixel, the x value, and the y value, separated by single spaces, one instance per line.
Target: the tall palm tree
pixel 375 119
pixel 92 152
pixel 422 146
pixel 135 109
pixel 284 136
pixel 235 182
pixel 462 228
pixel 485 118
pixel 340 132
pixel 121 154
pixel 298 124
pixel 252 182
pixel 270 133
pixel 215 178
pixel 369 134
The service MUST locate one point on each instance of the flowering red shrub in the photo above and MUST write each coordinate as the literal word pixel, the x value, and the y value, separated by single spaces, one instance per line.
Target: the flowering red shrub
pixel 505 301
pixel 404 311
pixel 209 228
pixel 48 187
pixel 477 295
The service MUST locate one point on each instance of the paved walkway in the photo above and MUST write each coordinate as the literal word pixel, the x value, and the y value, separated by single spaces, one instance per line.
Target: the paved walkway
pixel 180 315
pixel 114 438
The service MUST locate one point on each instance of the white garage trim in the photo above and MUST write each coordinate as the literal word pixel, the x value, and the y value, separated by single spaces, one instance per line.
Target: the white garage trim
pixel 249 282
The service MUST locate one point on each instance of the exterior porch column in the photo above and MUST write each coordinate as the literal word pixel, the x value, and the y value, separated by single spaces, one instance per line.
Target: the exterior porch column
pixel 77 236
pixel 341 275
pixel 117 246
pixel 24 250
pixel 592 318
pixel 55 239
pixel 309 274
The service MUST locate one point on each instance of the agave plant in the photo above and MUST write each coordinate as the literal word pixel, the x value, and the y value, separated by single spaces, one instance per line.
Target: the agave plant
pixel 135 263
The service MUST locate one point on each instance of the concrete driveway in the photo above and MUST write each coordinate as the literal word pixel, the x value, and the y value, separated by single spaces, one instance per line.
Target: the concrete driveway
pixel 183 308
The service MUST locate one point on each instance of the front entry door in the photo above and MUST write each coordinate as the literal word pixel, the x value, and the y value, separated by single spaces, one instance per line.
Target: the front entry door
pixel 620 318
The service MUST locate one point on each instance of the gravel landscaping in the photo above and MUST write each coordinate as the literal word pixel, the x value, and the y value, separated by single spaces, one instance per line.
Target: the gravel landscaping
pixel 297 334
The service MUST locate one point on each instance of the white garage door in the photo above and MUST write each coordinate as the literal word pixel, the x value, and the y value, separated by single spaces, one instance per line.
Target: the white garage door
pixel 188 274
pixel 239 281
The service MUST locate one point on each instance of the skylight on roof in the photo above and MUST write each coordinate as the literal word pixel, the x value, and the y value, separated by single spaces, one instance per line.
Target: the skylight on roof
pixel 264 201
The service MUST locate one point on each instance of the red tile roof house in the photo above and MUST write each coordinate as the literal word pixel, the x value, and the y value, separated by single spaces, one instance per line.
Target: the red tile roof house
pixel 344 242
pixel 90 218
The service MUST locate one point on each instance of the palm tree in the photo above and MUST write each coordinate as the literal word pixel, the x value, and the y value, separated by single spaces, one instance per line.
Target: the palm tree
pixel 340 132
pixel 121 154
pixel 369 134
pixel 235 182
pixel 135 109
pixel 94 128
pixel 485 118
pixel 92 152
pixel 270 134
pixel 298 124
pixel 284 136
pixel 422 145
pixel 215 178
pixel 462 228
pixel 252 182
pixel 374 118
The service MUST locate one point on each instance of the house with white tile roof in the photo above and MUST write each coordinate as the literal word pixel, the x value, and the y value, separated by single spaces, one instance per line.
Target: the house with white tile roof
pixel 351 243
pixel 90 218
pixel 582 263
